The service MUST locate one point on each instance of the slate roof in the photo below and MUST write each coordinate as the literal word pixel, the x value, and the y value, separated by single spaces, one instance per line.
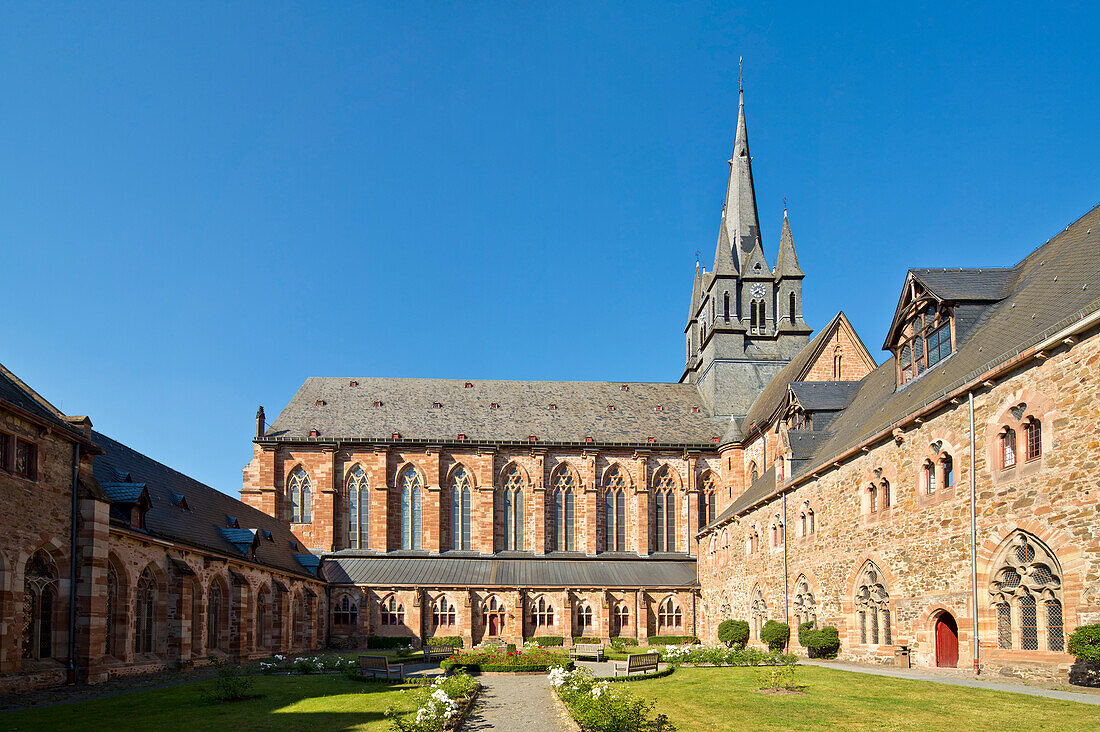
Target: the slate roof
pixel 824 395
pixel 969 283
pixel 203 523
pixel 441 571
pixel 553 411
pixel 761 488
pixel 14 391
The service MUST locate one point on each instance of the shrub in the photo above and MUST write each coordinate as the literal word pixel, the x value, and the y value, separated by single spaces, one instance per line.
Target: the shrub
pixel 805 633
pixel 385 641
pixel 1084 643
pixel 777 677
pixel 585 639
pixel 530 659
pixel 734 633
pixel 775 635
pixel 446 640
pixel 230 683
pixel 306 665
pixel 671 640
pixel 823 643
pixel 437 704
pixel 621 644
pixel 598 706
pixel 547 640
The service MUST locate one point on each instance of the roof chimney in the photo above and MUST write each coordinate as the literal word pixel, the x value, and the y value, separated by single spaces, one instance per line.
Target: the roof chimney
pixel 260 423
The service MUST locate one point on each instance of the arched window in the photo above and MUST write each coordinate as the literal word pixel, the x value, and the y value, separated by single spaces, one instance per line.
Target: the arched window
pixel 929 477
pixel 146 613
pixel 805 605
pixel 838 365
pixel 948 465
pixel 754 472
pixel 872 492
pixel 358 509
pixel 214 617
pixel 615 510
pixel 752 316
pixel 792 308
pixel 584 618
pixel 813 524
pixel 1033 439
pixel 759 612
pixel 669 615
pixel 1026 591
pixel 39 600
pixel 262 600
pixel 409 482
pixel 561 538
pixel 763 316
pixel 460 509
pixel 622 617
pixel 707 512
pixel 543 613
pixel 299 489
pixel 111 629
pixel 345 612
pixel 494 616
pixel 778 534
pixel 887 494
pixel 872 604
pixel 443 612
pixel 664 496
pixel 512 481
pixel 392 612
pixel 1008 447
pixel 726 307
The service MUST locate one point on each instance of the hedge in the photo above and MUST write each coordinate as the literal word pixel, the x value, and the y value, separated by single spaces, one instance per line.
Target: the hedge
pixel 734 633
pixel 546 640
pixel 671 640
pixel 387 641
pixel 622 642
pixel 585 639
pixel 1084 643
pixel 775 635
pixel 446 640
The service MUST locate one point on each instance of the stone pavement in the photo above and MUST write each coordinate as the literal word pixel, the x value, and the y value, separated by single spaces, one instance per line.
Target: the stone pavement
pixel 1085 697
pixel 518 703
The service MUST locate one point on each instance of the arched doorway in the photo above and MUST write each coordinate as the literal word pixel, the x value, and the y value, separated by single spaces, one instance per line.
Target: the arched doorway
pixel 947 641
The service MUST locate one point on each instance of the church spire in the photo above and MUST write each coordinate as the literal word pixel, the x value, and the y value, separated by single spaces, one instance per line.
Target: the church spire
pixel 696 291
pixel 740 223
pixel 787 263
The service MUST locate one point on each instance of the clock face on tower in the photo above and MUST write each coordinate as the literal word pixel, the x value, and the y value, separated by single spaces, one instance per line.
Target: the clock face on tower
pixel 758 290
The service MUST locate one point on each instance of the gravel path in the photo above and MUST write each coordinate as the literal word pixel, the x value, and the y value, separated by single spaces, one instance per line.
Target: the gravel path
pixel 517 703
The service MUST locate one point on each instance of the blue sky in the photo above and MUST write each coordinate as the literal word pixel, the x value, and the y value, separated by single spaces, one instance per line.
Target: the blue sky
pixel 202 205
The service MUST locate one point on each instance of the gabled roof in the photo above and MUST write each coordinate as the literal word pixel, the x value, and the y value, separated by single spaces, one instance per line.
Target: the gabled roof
pixel 823 395
pixel 968 284
pixel 15 391
pixel 202 523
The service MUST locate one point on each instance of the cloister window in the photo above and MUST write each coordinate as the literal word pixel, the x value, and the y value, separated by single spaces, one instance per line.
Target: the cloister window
pixel 622 617
pixel 214 616
pixel 1008 447
pixel 299 489
pixel 615 510
pixel 584 618
pixel 562 521
pixel 707 512
pixel 460 509
pixel 759 612
pixel 664 497
pixel 872 603
pixel 443 612
pixel 358 509
pixel 410 485
pixel 512 487
pixel 1026 593
pixel 146 603
pixel 543 613
pixel 345 612
pixel 393 612
pixel 669 615
pixel 805 605
pixel 1033 439
pixel 39 601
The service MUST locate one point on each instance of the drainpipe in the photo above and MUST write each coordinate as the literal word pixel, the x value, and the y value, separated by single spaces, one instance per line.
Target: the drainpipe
pixel 973 537
pixel 73 565
pixel 786 603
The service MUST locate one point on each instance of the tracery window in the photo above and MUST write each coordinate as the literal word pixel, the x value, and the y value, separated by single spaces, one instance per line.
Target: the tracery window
pixel 622 617
pixel 754 472
pixel 758 610
pixel 615 510
pixel 410 485
pixel 460 509
pixel 111 628
pixel 664 497
pixel 542 612
pixel 358 509
pixel 707 491
pixel 1026 593
pixel 214 617
pixel 298 487
pixel 872 604
pixel 392 612
pixel 443 612
pixel 39 600
pixel 512 481
pixel 262 600
pixel 1033 439
pixel 805 604
pixel 584 618
pixel 561 538
pixel 345 612
pixel 669 614
pixel 1008 447
pixel 146 613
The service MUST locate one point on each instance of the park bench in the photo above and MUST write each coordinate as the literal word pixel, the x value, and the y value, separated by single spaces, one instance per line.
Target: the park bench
pixel 380 666
pixel 438 653
pixel 588 650
pixel 638 663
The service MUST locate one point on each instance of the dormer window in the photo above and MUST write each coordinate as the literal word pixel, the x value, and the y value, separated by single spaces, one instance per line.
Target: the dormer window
pixel 924 341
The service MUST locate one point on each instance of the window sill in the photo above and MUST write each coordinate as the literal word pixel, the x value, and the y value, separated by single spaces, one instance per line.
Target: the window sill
pixel 925 500
pixel 883 514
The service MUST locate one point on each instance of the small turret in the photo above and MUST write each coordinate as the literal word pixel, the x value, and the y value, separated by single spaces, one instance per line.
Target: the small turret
pixel 260 423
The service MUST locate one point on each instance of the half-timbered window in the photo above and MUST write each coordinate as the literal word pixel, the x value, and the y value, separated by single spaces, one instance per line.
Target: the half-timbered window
pixel 358 509
pixel 664 496
pixel 562 519
pixel 298 488
pixel 411 489
pixel 615 510
pixel 1026 593
pixel 460 509
pixel 921 336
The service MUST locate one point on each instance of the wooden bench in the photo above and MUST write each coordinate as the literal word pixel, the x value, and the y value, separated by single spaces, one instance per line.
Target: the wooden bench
pixel 638 663
pixel 380 666
pixel 438 653
pixel 587 650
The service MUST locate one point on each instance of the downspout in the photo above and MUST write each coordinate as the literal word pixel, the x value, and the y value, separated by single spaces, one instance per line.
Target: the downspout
pixel 72 564
pixel 786 602
pixel 973 537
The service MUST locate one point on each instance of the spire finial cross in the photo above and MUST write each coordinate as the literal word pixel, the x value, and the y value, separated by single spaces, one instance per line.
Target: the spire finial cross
pixel 784 204
pixel 697 253
pixel 740 74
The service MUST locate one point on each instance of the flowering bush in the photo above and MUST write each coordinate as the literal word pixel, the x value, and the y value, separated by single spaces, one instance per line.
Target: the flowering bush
pixel 597 706
pixel 306 664
pixel 720 655
pixel 531 657
pixel 437 704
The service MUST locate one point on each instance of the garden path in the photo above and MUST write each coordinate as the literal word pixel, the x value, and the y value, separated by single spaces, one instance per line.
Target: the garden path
pixel 518 703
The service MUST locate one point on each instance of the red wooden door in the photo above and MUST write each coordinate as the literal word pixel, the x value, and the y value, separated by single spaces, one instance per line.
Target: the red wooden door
pixel 947 641
pixel 494 627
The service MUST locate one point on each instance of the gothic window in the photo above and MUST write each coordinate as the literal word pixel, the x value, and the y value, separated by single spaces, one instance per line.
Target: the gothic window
pixel 214 617
pixel 543 613
pixel 805 605
pixel 392 612
pixel 615 510
pixel 39 600
pixel 494 616
pixel 887 494
pixel 1026 592
pixel 1033 440
pixel 146 613
pixel 759 612
pixel 664 486
pixel 443 612
pixel 1008 447
pixel 299 489
pixel 358 509
pixel 792 308
pixel 584 618
pixel 872 604
pixel 622 617
pixel 754 473
pixel 838 364
pixel 262 601
pixel 111 628
pixel 409 483
pixel 806 517
pixel 561 538
pixel 512 481
pixel 707 512
pixel 947 463
pixel 752 316
pixel 460 509
pixel 777 530
pixel 669 615
pixel 345 612
pixel 762 315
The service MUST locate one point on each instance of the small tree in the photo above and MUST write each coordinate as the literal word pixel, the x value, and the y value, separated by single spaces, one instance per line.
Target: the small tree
pixel 1084 643
pixel 775 635
pixel 806 633
pixel 734 633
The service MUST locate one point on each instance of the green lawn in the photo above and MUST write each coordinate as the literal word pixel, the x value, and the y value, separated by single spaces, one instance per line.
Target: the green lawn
pixel 315 703
pixel 723 699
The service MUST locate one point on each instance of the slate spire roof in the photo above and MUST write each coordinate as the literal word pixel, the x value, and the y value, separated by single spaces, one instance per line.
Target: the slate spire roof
pixel 696 293
pixel 787 263
pixel 740 223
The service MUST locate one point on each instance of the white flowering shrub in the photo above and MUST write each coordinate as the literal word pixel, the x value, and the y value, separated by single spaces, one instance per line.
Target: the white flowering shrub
pixel 598 706
pixel 437 704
